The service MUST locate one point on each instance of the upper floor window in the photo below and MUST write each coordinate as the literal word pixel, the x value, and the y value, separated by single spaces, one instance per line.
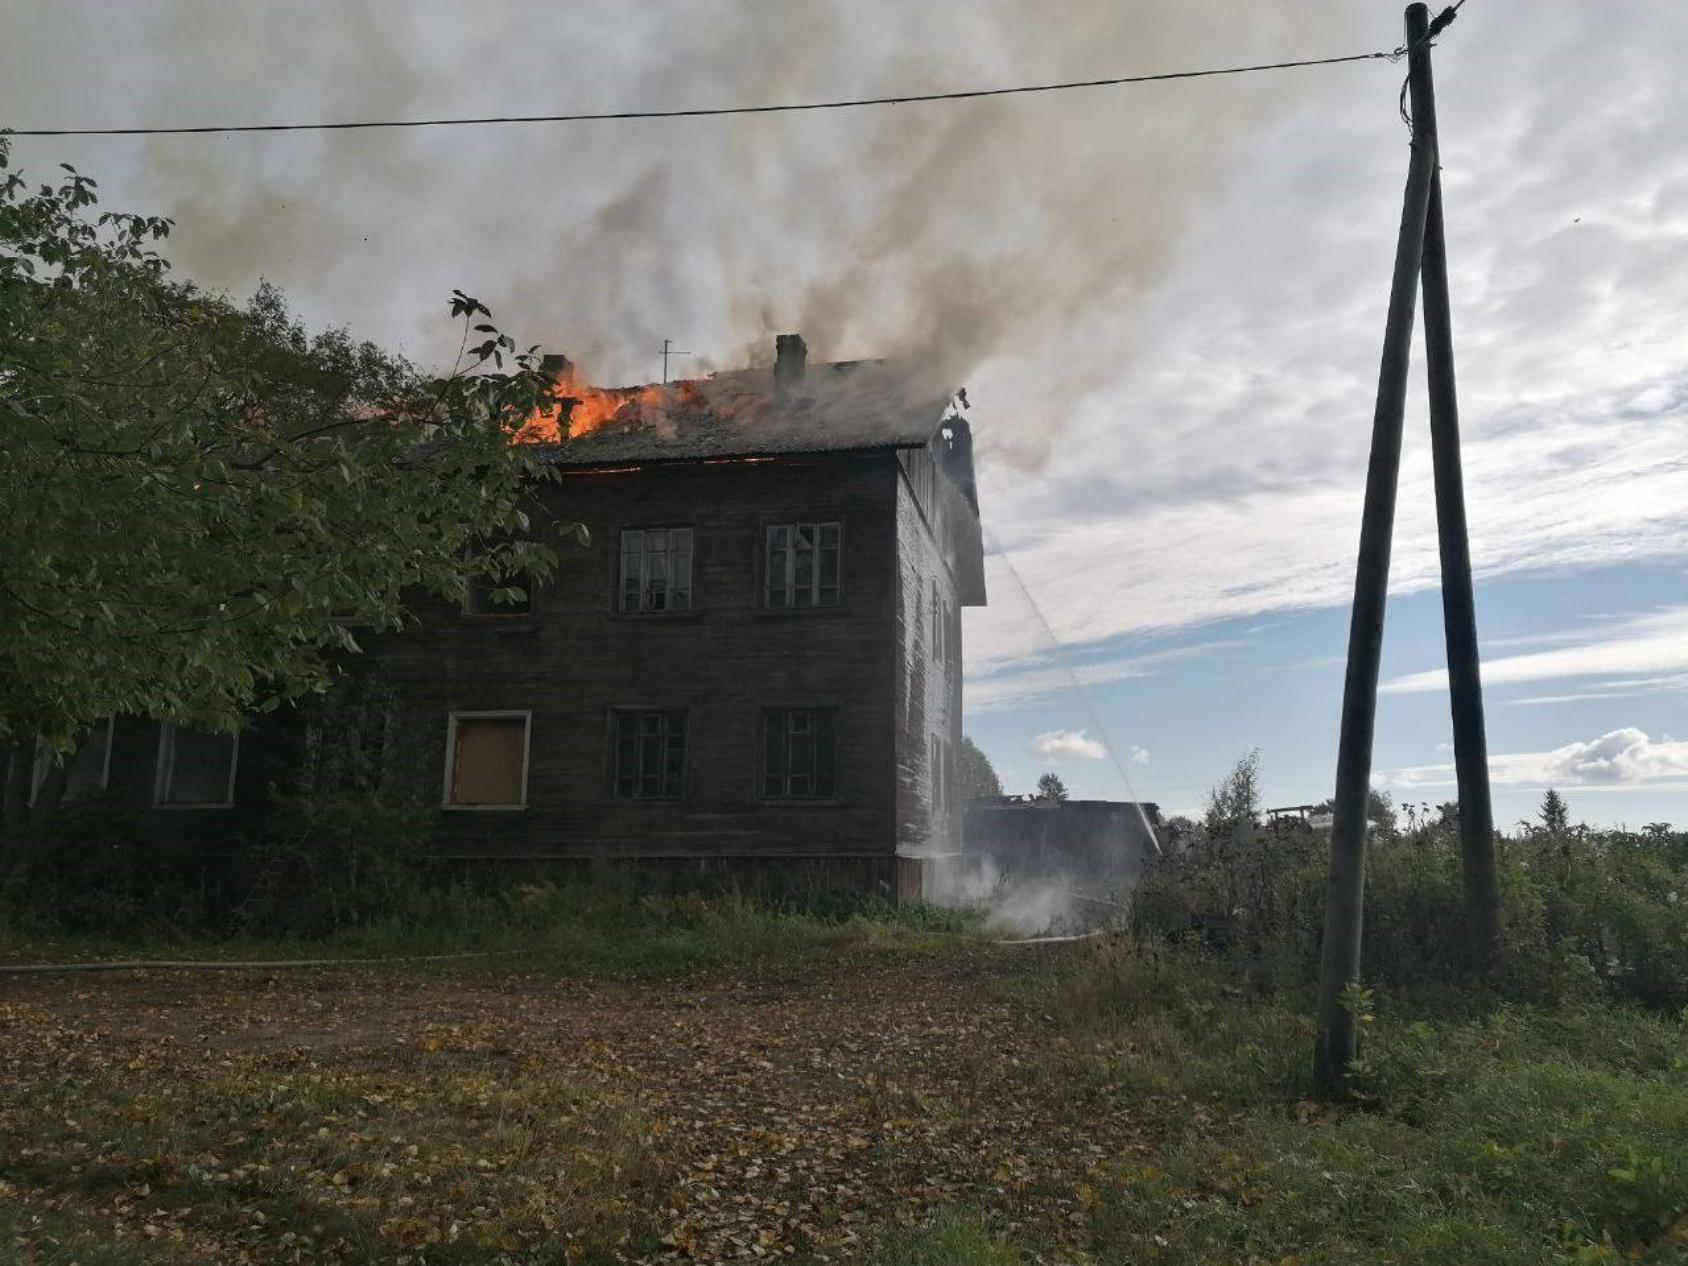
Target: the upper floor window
pixel 656 569
pixel 650 755
pixel 195 768
pixel 937 624
pixel 490 595
pixel 800 753
pixel 804 565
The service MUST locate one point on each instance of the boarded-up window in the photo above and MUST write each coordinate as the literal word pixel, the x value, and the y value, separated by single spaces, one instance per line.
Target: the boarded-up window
pixel 650 755
pixel 656 569
pixel 800 753
pixel 488 761
pixel 85 769
pixel 804 565
pixel 196 768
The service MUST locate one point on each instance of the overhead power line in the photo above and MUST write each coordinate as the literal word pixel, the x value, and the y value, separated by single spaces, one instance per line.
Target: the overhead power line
pixel 969 94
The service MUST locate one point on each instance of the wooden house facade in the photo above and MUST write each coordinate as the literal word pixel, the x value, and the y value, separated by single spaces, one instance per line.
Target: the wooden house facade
pixel 757 659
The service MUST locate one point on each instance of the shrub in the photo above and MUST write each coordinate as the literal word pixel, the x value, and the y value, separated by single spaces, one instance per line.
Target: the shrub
pixel 1582 912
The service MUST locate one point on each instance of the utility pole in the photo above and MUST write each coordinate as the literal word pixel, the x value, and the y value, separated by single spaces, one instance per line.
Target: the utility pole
pixel 1339 964
pixel 1459 607
pixel 668 349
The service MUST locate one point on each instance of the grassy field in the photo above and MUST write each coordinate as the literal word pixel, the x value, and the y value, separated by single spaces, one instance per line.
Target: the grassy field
pixel 695 1080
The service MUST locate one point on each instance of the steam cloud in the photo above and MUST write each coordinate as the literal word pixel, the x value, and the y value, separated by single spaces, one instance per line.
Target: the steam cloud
pixel 1011 243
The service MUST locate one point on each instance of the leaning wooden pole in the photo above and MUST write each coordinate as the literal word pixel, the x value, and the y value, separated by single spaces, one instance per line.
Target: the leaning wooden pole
pixel 1340 960
pixel 1459 606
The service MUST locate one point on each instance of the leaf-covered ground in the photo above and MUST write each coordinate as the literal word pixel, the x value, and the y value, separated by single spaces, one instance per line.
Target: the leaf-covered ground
pixel 355 1114
pixel 963 1103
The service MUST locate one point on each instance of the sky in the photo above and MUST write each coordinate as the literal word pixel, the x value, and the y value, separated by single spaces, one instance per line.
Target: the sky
pixel 1166 302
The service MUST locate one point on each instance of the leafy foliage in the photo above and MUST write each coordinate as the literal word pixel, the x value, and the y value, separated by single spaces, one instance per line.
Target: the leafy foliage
pixel 1050 787
pixel 199 501
pixel 975 773
pixel 1584 913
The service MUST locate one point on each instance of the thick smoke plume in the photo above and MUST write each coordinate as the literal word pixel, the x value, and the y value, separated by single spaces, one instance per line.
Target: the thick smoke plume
pixel 1010 243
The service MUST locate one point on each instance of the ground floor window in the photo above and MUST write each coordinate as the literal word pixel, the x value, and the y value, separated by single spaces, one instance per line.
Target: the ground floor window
pixel 800 753
pixel 650 755
pixel 86 770
pixel 486 760
pixel 195 768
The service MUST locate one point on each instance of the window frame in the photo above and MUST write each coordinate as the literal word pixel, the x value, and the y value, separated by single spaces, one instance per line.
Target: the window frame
pixel 39 766
pixel 494 610
pixel 937 624
pixel 835 795
pixel 166 768
pixel 485 714
pixel 765 568
pixel 619 596
pixel 616 713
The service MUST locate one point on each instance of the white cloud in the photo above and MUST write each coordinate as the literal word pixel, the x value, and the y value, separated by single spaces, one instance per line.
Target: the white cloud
pixel 1650 651
pixel 1139 755
pixel 1626 758
pixel 1059 745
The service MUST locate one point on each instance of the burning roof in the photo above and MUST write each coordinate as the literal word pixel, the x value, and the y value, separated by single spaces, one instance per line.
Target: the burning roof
pixel 787 408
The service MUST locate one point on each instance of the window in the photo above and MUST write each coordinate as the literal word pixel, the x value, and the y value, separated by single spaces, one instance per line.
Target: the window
pixel 86 770
pixel 480 600
pixel 656 569
pixel 937 625
pixel 938 767
pixel 803 565
pixel 800 753
pixel 486 760
pixel 195 769
pixel 650 755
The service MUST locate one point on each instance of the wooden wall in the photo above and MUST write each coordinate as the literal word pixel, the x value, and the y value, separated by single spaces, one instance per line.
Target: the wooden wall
pixel 576 657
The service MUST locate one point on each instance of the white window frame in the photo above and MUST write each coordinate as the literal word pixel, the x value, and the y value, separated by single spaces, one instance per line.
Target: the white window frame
pixel 503 714
pixel 166 763
pixel 38 774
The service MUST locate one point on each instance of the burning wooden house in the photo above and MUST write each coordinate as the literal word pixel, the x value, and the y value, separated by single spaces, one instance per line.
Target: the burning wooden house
pixel 756 660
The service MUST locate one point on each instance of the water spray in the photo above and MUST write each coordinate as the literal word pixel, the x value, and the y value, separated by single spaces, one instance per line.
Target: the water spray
pixel 1089 706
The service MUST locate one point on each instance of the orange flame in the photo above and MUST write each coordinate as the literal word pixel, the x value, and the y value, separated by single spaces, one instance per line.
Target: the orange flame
pixel 579 409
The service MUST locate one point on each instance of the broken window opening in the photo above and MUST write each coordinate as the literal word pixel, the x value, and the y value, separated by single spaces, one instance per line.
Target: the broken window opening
pixel 196 768
pixel 803 565
pixel 486 760
pixel 656 569
pixel 800 753
pixel 650 755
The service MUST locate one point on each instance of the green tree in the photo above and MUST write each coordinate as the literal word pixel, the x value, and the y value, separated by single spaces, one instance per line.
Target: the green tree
pixel 1234 804
pixel 199 502
pixel 1555 817
pixel 1380 809
pixel 976 774
pixel 1050 787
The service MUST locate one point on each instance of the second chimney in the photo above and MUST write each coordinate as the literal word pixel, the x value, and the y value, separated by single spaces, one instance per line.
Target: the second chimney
pixel 791 355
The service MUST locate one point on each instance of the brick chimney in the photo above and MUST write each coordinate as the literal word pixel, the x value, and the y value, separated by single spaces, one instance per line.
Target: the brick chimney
pixel 791 355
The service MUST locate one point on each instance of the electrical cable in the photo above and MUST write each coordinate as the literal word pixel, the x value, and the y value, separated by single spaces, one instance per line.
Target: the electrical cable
pixel 968 94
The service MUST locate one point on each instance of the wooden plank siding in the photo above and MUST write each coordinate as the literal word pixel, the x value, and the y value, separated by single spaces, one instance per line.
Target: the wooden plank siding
pixel 576 659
